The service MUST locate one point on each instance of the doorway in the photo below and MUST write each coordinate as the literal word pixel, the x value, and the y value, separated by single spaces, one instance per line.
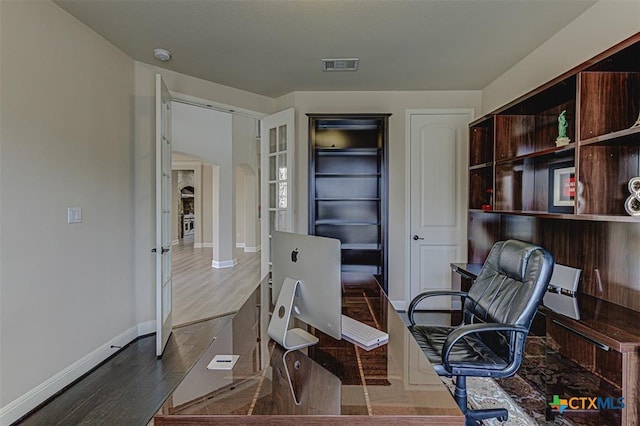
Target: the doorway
pixel 437 196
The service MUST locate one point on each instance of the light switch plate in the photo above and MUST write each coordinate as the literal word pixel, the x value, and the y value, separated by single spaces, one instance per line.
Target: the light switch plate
pixel 74 215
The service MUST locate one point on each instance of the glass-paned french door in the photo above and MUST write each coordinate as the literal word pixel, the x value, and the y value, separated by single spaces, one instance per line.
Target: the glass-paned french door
pixel 277 144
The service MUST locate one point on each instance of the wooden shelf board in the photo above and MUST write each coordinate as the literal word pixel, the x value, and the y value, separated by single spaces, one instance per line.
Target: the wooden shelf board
pixel 372 247
pixel 481 166
pixel 538 154
pixel 611 137
pixel 340 222
pixel 347 175
pixel 569 216
pixel 345 152
pixel 347 199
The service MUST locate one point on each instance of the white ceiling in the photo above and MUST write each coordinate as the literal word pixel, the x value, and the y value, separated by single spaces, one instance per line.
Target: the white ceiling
pixel 273 47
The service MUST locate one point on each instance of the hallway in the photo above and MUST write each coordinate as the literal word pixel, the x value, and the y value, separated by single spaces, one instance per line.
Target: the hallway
pixel 202 292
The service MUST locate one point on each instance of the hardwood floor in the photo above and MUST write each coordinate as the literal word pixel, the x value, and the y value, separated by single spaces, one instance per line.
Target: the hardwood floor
pixel 130 387
pixel 201 291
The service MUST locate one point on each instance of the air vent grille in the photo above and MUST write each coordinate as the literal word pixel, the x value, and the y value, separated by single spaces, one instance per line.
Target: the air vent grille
pixel 341 64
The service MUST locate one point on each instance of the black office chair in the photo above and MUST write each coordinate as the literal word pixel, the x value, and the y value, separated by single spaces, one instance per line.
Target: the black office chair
pixel 497 314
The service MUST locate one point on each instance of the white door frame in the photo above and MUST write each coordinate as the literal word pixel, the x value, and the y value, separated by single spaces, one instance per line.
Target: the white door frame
pixel 407 132
pixel 196 167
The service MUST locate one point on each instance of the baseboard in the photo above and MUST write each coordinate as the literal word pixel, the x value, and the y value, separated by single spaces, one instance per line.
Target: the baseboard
pixel 145 328
pixel 252 249
pixel 399 305
pixel 36 396
pixel 224 263
pixel 175 242
pixel 30 400
pixel 202 245
pixel 240 245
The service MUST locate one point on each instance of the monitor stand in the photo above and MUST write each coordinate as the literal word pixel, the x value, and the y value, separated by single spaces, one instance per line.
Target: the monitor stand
pixel 278 330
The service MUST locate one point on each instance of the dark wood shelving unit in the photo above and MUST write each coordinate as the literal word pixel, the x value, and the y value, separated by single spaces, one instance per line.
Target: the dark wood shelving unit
pixel 348 187
pixel 601 98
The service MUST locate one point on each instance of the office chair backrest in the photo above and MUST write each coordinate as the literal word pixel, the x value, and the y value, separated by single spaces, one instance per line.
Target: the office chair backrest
pixel 508 290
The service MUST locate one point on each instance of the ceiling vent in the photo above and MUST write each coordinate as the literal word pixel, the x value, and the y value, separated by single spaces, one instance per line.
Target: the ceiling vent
pixel 342 64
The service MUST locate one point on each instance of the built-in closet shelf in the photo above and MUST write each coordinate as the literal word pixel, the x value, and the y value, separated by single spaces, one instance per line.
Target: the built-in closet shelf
pixel 347 152
pixel 369 269
pixel 481 166
pixel 372 247
pixel 341 222
pixel 341 175
pixel 347 199
pixel 348 187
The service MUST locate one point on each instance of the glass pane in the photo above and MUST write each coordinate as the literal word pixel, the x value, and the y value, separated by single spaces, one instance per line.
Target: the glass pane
pixel 282 195
pixel 272 167
pixel 282 138
pixel 282 167
pixel 272 222
pixel 282 220
pixel 272 140
pixel 272 196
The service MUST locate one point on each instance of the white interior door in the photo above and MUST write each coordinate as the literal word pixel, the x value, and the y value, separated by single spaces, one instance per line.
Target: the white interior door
pixel 163 215
pixel 438 199
pixel 277 174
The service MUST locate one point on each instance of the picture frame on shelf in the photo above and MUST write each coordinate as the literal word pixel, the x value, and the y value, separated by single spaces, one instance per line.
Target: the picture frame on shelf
pixel 562 187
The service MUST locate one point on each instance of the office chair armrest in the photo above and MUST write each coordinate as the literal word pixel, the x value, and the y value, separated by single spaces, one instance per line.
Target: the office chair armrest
pixel 460 332
pixel 419 298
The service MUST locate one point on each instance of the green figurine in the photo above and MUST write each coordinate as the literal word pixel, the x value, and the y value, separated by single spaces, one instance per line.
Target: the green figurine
pixel 562 139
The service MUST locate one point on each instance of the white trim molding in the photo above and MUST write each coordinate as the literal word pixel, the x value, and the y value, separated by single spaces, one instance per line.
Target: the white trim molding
pixel 399 305
pixel 202 245
pixel 221 264
pixel 36 396
pixel 252 249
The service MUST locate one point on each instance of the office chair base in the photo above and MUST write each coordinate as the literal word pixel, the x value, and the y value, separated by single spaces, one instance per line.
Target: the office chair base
pixel 474 417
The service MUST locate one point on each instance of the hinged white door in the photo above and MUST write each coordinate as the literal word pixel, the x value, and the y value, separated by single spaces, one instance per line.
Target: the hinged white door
pixel 277 174
pixel 163 215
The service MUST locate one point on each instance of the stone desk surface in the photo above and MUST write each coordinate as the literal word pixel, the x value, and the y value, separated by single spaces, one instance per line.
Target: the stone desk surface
pixel 332 382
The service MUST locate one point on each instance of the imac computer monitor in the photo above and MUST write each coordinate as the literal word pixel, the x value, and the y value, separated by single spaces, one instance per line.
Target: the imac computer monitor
pixel 305 273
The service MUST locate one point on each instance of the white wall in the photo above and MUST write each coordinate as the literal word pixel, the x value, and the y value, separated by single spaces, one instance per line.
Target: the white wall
pixel 601 26
pixel 67 289
pixel 245 160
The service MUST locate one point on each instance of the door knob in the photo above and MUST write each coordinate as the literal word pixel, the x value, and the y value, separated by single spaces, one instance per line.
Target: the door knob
pixel 416 238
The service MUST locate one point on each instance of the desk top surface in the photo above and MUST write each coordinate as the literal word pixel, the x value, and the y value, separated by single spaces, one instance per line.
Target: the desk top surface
pixel 393 382
pixel 608 323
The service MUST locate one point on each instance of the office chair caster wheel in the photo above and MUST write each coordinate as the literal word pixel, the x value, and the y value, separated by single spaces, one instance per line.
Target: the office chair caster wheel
pixel 502 418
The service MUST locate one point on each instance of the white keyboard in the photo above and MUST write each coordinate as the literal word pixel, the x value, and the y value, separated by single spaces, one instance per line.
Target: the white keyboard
pixel 361 333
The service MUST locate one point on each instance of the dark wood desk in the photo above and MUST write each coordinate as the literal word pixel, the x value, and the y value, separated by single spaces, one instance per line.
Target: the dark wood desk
pixel 602 341
pixel 391 384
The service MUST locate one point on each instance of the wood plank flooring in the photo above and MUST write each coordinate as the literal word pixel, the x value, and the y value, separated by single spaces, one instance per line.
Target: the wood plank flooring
pixel 130 387
pixel 201 291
